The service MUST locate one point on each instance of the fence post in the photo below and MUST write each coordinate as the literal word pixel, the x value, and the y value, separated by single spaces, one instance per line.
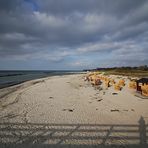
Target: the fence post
pixel 142 131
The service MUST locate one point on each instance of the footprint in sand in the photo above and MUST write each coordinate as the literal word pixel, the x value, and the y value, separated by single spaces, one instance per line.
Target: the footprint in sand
pixel 114 110
pixel 99 100
pixel 114 93
pixel 70 110
pixel 50 97
pixel 128 110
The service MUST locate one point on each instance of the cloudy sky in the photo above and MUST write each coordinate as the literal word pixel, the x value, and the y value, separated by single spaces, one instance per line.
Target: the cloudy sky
pixel 73 34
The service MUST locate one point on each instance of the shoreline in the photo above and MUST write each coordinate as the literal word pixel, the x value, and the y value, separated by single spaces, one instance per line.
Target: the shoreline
pixel 9 84
pixel 12 88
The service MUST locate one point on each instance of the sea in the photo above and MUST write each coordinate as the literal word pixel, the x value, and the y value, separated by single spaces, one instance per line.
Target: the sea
pixel 10 78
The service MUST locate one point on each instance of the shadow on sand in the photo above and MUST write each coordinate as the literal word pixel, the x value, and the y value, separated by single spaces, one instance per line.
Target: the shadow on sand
pixel 73 135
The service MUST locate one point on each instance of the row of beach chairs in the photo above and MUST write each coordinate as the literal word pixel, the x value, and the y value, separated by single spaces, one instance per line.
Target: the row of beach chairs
pixel 97 79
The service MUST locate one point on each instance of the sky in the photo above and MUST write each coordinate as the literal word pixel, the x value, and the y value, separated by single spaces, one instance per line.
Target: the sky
pixel 72 34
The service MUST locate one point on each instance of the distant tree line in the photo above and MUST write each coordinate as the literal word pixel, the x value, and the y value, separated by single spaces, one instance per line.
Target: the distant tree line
pixel 143 68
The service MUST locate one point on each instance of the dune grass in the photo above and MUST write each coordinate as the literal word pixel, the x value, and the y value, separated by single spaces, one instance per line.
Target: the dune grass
pixel 124 72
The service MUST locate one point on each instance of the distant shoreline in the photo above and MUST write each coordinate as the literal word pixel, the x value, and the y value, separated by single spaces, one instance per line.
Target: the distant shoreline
pixel 20 77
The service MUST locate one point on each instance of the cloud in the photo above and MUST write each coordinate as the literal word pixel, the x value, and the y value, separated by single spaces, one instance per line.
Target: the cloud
pixel 55 31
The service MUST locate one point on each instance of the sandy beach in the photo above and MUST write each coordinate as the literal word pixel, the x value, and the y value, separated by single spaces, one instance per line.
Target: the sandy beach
pixel 66 111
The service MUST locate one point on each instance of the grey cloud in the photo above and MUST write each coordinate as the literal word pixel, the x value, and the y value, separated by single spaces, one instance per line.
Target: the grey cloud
pixel 34 27
pixel 116 7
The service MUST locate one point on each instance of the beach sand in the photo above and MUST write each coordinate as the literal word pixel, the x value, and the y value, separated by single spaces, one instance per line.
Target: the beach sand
pixel 67 111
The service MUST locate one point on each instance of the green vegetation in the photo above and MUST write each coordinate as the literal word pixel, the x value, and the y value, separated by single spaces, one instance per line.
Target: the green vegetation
pixel 141 71
pixel 129 72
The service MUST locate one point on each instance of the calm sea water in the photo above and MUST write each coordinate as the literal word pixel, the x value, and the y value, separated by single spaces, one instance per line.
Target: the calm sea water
pixel 9 78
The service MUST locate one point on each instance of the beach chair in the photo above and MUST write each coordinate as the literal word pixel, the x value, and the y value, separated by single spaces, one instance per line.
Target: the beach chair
pixel 121 82
pixel 112 81
pixel 133 85
pixel 107 84
pixel 117 87
pixel 144 89
pixel 96 82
